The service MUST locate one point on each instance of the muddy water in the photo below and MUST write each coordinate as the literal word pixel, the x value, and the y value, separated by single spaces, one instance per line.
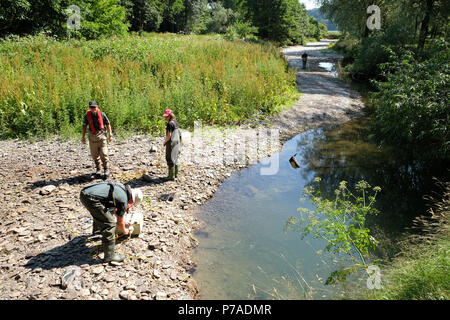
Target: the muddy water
pixel 244 253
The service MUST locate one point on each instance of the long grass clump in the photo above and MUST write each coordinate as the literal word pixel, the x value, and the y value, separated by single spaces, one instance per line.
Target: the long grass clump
pixel 45 84
pixel 422 271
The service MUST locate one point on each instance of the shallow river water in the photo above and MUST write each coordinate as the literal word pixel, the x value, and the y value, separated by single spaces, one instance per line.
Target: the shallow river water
pixel 244 252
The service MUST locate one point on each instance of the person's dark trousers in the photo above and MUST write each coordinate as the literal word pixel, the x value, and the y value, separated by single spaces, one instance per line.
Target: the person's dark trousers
pixel 172 158
pixel 104 222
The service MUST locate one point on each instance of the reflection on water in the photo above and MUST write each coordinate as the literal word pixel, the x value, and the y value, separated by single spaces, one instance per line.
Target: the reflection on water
pixel 244 252
pixel 331 67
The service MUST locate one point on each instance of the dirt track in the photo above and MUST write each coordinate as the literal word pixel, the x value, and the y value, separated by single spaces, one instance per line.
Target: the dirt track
pixel 44 229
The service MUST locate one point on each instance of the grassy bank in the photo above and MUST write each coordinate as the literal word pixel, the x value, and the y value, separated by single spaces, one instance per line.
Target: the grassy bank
pixel 422 271
pixel 45 84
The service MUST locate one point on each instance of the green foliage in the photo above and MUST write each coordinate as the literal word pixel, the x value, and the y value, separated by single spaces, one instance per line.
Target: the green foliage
pixel 411 107
pixel 421 271
pixel 341 222
pixel 100 18
pixel 241 30
pixel 145 15
pixel 45 84
pixel 219 18
pixel 283 21
pixel 316 29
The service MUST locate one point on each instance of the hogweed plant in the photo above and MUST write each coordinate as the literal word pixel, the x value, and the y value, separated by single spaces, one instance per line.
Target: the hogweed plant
pixel 341 222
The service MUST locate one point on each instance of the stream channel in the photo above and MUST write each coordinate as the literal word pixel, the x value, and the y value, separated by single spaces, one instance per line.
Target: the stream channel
pixel 244 251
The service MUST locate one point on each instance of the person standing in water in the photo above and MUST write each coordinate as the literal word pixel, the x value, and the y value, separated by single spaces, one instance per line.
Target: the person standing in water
pixel 304 59
pixel 172 142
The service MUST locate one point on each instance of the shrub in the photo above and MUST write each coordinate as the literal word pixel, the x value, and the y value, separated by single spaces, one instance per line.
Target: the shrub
pixel 411 107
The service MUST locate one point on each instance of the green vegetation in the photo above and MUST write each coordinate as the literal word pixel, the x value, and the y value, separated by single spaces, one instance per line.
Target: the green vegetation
pixel 45 84
pixel 322 18
pixel 406 64
pixel 57 55
pixel 422 271
pixel 282 21
pixel 411 107
pixel 341 222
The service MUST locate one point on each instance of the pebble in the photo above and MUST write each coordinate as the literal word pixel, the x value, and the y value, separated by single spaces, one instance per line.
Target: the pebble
pixel 98 270
pixel 124 295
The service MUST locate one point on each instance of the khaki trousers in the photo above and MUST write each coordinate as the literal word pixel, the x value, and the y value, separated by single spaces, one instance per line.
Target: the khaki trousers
pixel 99 148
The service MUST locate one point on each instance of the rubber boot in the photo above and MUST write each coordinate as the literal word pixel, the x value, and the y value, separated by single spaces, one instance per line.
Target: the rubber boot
pixel 110 255
pixel 176 171
pixel 171 175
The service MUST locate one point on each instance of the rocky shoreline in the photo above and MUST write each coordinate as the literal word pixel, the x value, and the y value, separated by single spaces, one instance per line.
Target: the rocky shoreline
pixel 46 251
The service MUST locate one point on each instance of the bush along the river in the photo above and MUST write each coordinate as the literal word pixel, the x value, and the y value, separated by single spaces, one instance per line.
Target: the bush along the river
pixel 341 222
pixel 411 108
pixel 45 84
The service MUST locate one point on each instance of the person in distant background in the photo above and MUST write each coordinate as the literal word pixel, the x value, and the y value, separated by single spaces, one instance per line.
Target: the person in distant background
pixel 172 144
pixel 97 122
pixel 304 59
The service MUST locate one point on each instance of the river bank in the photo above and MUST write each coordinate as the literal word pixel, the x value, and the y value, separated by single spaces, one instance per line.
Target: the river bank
pixel 44 229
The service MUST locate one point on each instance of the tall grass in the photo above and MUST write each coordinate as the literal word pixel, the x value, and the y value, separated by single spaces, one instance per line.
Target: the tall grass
pixel 422 271
pixel 45 85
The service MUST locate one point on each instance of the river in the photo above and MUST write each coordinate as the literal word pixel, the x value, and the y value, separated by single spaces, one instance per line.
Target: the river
pixel 244 251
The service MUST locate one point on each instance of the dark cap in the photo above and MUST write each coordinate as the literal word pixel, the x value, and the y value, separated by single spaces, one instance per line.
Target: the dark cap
pixel 93 104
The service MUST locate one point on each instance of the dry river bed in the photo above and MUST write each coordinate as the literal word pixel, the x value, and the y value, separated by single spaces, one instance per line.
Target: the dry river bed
pixel 46 251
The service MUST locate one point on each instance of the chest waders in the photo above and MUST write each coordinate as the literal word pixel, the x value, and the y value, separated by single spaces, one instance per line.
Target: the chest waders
pixel 172 153
pixel 103 219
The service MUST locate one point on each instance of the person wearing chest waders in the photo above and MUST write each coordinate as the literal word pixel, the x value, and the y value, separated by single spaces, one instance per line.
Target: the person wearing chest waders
pixel 304 59
pixel 97 122
pixel 172 144
pixel 104 200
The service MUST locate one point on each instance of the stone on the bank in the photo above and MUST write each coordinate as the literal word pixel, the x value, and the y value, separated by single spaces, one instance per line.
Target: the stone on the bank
pixel 98 270
pixel 161 295
pixel 124 295
pixel 47 190
pixel 69 276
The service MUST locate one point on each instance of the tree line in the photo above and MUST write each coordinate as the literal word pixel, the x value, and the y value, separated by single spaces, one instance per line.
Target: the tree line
pixel 282 21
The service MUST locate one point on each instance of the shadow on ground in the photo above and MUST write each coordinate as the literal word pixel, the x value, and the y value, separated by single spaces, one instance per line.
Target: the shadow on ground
pixel 74 252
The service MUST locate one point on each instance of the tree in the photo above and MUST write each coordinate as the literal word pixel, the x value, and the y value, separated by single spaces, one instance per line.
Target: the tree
pixel 29 17
pixel 145 15
pixel 284 21
pixel 100 18
pixel 220 18
pixel 174 18
pixel 197 15
pixel 316 29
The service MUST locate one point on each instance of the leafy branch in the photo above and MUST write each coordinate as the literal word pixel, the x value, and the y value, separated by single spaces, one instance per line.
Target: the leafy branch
pixel 341 221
